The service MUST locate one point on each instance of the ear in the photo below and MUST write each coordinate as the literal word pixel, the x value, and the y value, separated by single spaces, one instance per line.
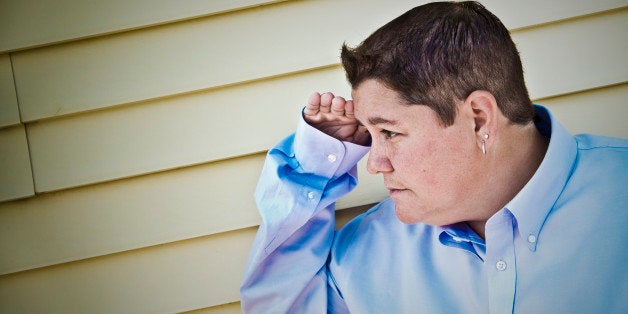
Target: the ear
pixel 485 116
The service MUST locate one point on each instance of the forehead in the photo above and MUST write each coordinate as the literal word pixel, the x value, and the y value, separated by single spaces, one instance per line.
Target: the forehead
pixel 374 89
pixel 375 103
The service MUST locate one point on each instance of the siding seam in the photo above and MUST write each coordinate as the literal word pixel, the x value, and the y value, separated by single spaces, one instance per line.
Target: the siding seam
pixel 19 111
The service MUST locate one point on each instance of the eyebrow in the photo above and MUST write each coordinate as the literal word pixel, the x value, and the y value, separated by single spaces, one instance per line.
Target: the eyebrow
pixel 380 120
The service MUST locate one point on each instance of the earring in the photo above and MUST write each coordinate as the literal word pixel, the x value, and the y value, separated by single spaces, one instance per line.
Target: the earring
pixel 484 142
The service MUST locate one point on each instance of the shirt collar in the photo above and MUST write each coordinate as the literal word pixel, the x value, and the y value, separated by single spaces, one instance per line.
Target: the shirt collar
pixel 461 236
pixel 533 203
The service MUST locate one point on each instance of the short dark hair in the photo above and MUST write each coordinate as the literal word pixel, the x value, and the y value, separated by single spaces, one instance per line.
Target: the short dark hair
pixel 438 53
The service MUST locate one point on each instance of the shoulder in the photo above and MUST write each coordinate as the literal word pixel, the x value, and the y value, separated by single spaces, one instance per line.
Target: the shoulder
pixel 601 155
pixel 601 143
pixel 600 174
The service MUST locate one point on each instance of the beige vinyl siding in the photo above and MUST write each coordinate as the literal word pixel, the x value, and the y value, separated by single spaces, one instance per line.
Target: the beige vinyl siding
pixel 31 23
pixel 145 124
pixel 16 179
pixel 170 278
pixel 220 309
pixel 581 53
pixel 599 111
pixel 9 113
pixel 172 132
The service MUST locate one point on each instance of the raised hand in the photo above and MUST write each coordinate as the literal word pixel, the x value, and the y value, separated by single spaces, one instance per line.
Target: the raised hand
pixel 333 115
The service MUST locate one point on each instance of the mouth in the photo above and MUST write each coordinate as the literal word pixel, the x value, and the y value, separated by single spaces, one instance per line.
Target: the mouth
pixel 394 191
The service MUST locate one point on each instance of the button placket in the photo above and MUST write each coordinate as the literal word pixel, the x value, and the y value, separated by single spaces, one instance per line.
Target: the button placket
pixel 501 263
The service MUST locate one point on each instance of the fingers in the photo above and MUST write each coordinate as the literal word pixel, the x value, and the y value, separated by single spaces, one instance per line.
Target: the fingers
pixel 313 105
pixel 349 109
pixel 328 103
pixel 326 100
pixel 338 106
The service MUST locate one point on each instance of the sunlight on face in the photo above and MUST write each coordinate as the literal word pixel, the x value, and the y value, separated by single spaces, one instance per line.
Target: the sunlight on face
pixel 425 165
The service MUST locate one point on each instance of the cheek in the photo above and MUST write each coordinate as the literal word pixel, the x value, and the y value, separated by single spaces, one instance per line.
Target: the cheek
pixel 419 162
pixel 434 174
pixel 454 168
pixel 436 167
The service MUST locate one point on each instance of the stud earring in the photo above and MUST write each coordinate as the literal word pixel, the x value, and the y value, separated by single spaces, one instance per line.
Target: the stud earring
pixel 484 142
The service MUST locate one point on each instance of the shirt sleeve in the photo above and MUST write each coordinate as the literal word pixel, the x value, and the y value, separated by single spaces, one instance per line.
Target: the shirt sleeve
pixel 302 178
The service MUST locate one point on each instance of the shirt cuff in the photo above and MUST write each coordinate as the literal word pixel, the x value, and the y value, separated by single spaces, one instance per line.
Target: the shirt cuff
pixel 325 155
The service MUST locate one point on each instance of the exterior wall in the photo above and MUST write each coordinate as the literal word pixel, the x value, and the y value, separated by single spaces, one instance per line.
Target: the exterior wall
pixel 132 133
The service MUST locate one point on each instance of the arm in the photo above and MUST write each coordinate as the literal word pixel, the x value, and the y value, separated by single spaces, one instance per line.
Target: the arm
pixel 296 193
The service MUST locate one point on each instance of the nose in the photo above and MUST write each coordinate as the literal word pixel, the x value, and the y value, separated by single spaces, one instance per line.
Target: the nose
pixel 378 161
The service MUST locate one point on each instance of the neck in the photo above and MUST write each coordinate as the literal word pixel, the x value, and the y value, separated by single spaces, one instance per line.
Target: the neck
pixel 517 154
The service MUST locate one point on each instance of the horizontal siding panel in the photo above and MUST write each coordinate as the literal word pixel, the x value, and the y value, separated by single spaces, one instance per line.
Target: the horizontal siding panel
pixel 189 56
pixel 231 308
pixel 16 179
pixel 32 23
pixel 171 278
pixel 200 54
pixel 602 111
pixel 9 113
pixel 28 23
pixel 173 132
pixel 517 14
pixel 128 214
pixel 575 55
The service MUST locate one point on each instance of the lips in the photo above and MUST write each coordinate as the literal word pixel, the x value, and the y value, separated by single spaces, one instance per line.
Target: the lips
pixel 393 187
pixel 393 191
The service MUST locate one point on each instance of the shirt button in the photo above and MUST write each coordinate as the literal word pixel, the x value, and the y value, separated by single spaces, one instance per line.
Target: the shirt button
pixel 331 157
pixel 310 195
pixel 500 265
pixel 531 238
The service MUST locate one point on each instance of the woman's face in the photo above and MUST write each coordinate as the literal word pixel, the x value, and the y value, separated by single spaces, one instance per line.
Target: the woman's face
pixel 428 168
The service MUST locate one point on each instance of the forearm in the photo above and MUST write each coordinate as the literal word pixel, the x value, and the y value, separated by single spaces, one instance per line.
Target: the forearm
pixel 295 196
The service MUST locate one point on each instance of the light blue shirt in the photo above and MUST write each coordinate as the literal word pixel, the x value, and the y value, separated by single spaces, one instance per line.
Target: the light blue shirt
pixel 558 247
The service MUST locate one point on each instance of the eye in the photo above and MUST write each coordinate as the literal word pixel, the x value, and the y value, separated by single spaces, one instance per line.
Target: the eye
pixel 389 134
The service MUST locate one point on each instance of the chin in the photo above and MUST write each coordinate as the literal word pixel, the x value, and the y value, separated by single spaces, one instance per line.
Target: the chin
pixel 408 218
pixel 411 215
